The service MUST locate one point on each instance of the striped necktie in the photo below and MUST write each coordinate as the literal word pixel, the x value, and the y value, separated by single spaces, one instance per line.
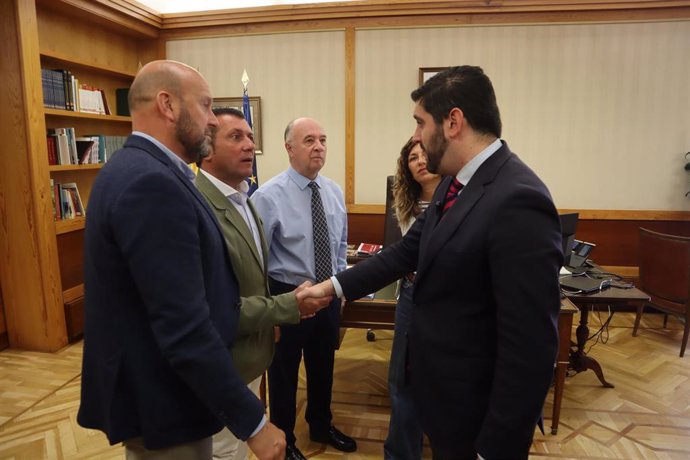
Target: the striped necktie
pixel 451 195
pixel 322 248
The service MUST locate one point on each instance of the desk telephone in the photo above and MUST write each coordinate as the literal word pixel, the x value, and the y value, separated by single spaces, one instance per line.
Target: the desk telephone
pixel 578 257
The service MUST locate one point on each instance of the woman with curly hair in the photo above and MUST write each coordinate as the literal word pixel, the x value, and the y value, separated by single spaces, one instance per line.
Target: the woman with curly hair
pixel 413 188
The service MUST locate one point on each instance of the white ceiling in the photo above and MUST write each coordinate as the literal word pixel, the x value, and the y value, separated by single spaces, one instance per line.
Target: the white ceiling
pixel 187 6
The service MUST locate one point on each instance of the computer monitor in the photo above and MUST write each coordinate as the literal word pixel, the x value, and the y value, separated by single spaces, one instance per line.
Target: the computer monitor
pixel 568 227
pixel 391 230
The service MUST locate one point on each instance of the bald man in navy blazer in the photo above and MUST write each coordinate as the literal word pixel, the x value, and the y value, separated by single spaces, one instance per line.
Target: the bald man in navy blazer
pixel 162 301
pixel 487 251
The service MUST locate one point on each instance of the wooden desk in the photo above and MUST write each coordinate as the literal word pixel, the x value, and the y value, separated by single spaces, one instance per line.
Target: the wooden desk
pixel 579 361
pixel 565 330
pixel 379 313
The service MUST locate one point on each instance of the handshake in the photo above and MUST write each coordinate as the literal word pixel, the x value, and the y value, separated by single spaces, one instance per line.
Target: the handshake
pixel 312 298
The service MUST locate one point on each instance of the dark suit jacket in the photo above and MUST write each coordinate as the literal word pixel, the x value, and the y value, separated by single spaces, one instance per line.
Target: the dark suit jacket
pixel 483 339
pixel 255 344
pixel 161 308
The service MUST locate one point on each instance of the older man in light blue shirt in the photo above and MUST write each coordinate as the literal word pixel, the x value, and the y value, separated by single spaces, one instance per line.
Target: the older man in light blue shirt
pixel 305 222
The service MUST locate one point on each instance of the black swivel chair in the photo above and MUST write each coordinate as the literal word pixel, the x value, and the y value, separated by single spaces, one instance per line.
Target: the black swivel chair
pixel 391 231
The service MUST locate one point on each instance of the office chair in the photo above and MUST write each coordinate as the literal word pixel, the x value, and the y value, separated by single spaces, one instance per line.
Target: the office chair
pixel 665 276
pixel 391 231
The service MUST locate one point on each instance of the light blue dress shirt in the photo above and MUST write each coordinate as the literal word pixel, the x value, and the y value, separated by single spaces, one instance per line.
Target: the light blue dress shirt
pixel 284 204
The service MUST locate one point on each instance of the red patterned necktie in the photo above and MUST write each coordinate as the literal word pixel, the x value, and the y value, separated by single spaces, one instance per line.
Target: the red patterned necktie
pixel 451 194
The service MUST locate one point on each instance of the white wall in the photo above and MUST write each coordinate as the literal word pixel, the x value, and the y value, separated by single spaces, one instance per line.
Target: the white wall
pixel 300 74
pixel 600 111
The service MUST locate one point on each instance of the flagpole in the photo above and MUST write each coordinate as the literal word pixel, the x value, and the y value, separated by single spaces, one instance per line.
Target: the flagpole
pixel 253 180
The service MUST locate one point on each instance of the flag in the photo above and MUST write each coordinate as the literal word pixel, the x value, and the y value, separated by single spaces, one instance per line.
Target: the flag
pixel 253 180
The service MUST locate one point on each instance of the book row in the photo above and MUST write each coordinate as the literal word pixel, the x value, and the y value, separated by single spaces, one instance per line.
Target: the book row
pixel 62 90
pixel 65 148
pixel 67 202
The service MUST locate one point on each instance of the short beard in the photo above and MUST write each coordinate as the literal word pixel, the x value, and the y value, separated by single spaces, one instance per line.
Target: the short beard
pixel 435 150
pixel 195 146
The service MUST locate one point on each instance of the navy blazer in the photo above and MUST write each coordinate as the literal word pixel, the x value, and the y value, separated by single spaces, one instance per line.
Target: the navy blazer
pixel 161 308
pixel 483 338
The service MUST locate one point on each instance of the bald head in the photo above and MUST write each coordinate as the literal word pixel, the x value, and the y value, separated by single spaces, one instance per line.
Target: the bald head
pixel 305 142
pixel 158 76
pixel 171 102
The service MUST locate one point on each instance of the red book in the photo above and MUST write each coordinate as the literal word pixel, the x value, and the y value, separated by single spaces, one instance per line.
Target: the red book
pixel 368 249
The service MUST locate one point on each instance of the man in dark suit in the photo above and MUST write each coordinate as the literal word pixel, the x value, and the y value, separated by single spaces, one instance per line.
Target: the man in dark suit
pixel 162 301
pixel 483 338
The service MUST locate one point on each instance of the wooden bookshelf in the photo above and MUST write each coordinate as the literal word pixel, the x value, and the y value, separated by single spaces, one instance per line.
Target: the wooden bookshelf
pixel 54 168
pixel 69 225
pixel 103 46
pixel 3 328
pixel 79 64
pixel 89 116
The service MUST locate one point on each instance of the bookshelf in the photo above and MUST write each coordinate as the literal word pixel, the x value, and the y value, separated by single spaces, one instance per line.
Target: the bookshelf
pixel 3 329
pixel 42 280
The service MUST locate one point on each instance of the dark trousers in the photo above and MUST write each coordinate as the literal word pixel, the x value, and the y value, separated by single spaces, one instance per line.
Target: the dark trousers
pixel 315 339
pixel 404 441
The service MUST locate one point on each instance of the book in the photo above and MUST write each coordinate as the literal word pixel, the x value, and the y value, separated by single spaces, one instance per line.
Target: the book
pixel 90 100
pixel 85 149
pixel 52 195
pixel 72 200
pixel 368 249
pixel 122 101
pixel 51 139
pixel 57 200
pixel 63 154
pixel 66 204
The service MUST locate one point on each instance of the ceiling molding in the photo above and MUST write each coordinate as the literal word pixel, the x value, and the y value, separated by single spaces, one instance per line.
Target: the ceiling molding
pixel 133 18
pixel 570 10
pixel 140 20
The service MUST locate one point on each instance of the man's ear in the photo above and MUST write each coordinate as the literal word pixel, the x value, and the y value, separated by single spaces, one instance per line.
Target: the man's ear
pixel 165 104
pixel 455 122
pixel 288 148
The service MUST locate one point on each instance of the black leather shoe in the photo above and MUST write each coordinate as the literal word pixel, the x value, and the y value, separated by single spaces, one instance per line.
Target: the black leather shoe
pixel 335 438
pixel 293 453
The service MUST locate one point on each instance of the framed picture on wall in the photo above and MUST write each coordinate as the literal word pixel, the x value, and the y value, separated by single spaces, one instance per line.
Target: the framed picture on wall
pixel 255 108
pixel 426 73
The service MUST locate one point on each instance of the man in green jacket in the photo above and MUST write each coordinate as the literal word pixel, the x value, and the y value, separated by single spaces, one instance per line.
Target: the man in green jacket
pixel 221 180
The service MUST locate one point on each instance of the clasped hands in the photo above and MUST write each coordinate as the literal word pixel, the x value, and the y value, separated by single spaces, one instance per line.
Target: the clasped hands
pixel 312 298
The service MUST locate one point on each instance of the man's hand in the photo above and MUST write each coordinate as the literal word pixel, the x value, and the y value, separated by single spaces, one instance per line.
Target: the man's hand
pixel 310 302
pixel 324 289
pixel 268 443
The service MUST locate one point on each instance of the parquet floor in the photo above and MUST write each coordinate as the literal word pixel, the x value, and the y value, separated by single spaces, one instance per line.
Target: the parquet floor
pixel 647 415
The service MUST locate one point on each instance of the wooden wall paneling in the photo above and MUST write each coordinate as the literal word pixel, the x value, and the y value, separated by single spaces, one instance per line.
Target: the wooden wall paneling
pixel 617 240
pixel 365 228
pixel 350 77
pixel 71 249
pixel 74 318
pixel 29 270
pixel 4 341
